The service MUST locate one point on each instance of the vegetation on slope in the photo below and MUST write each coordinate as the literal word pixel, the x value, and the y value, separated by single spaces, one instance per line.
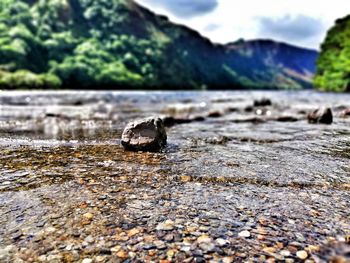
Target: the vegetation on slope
pixel 333 65
pixel 118 44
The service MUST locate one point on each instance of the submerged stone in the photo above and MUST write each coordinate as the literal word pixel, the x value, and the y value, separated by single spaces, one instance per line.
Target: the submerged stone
pixel 262 102
pixel 346 112
pixel 322 115
pixel 144 135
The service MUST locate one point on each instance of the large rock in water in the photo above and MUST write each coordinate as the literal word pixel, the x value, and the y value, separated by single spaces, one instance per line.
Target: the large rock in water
pixel 144 135
pixel 321 115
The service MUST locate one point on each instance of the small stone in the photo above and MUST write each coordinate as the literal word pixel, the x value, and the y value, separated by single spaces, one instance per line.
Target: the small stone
pixel 244 234
pixel 100 258
pixel 50 230
pixel 144 135
pixel 262 102
pixel 165 226
pixel 170 253
pixel 346 113
pixel 3 254
pixel 87 260
pixel 69 247
pixel 42 258
pixel 227 260
pixel 269 250
pixel 169 237
pixel 204 238
pixel 207 247
pixel 149 247
pixel 115 249
pixel 302 254
pixel 215 114
pixel 89 239
pixel 16 235
pixel 133 232
pixel 122 254
pixel 159 244
pixel 322 115
pixel 312 248
pixel 185 248
pixel 88 216
pixel 300 237
pixel 285 253
pixel 222 242
pixel 185 178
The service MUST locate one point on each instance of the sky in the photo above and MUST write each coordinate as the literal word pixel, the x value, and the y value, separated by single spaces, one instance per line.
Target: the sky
pixel 299 22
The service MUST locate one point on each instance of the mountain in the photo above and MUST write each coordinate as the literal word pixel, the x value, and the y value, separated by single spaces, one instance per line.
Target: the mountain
pixel 273 63
pixel 333 65
pixel 118 44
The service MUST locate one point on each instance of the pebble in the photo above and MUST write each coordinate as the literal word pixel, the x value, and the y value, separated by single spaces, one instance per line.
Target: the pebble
pixel 185 248
pixel 122 254
pixel 166 226
pixel 133 232
pixel 3 254
pixel 149 247
pixel 207 247
pixel 204 239
pixel 222 242
pixel 159 244
pixel 302 254
pixel 244 234
pixel 88 216
pixel 87 260
pixel 285 253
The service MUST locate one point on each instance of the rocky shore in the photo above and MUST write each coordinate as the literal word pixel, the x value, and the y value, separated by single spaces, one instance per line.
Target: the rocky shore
pixel 244 177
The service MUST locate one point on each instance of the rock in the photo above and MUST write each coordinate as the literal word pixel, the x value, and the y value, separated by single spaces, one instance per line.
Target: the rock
pixel 322 115
pixel 203 239
pixel 248 109
pixel 165 226
pixel 244 233
pixel 287 119
pixel 207 246
pixel 3 255
pixel 302 254
pixel 122 254
pixel 222 242
pixel 215 114
pixel 144 135
pixel 170 121
pixel 88 216
pixel 262 102
pixel 346 112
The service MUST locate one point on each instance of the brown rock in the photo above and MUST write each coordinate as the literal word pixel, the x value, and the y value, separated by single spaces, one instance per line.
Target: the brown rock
pixel 262 102
pixel 322 115
pixel 144 135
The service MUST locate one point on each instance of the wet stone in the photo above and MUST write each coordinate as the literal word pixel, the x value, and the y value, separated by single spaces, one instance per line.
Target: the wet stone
pixel 144 135
pixel 262 102
pixel 244 234
pixel 322 115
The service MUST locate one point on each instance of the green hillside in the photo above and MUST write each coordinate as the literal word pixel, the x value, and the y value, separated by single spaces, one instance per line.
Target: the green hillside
pixel 333 65
pixel 117 44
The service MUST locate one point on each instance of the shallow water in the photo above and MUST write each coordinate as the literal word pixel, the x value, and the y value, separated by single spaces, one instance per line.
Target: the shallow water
pixel 283 180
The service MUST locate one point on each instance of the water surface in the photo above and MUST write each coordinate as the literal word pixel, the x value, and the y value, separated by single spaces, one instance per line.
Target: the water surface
pixel 68 190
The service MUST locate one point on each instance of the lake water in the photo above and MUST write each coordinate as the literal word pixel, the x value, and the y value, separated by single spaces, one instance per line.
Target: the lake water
pixel 235 182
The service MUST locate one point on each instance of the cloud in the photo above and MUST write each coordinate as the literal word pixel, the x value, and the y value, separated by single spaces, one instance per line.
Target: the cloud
pixel 186 8
pixel 211 27
pixel 299 27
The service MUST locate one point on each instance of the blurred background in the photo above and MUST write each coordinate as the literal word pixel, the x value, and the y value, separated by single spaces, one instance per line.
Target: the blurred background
pixel 206 45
